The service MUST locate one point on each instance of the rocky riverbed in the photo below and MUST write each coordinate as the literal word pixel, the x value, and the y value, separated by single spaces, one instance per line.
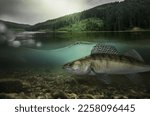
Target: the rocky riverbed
pixel 32 84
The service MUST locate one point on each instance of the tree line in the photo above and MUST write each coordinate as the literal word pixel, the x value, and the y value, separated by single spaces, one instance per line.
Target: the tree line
pixel 116 16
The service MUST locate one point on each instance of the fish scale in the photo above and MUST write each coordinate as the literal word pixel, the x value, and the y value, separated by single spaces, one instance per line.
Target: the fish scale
pixel 117 58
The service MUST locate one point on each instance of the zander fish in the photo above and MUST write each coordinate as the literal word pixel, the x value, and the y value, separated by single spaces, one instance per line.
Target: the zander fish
pixel 105 59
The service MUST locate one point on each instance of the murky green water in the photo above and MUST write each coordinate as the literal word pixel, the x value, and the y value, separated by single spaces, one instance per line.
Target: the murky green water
pixel 60 48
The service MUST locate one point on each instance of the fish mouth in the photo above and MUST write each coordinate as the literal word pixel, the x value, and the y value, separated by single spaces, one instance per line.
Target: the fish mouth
pixel 73 71
pixel 68 68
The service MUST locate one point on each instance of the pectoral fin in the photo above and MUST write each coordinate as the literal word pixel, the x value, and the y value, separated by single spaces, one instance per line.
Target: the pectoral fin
pixel 102 77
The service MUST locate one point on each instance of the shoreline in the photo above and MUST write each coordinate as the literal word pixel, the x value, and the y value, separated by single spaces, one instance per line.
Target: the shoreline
pixel 127 31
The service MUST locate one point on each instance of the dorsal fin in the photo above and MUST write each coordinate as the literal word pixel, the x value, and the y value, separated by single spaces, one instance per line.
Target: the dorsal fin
pixel 134 54
pixel 100 48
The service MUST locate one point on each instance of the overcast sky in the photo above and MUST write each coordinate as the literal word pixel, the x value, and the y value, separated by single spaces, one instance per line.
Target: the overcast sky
pixel 34 11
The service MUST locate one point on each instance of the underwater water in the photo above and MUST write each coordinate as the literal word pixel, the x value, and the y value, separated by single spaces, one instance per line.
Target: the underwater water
pixel 59 48
pixel 45 61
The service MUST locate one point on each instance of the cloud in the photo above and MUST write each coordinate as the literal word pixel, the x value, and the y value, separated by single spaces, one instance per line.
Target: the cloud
pixel 10 7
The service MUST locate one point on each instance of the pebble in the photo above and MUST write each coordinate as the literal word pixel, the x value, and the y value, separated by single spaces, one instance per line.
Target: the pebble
pixel 41 87
pixel 58 94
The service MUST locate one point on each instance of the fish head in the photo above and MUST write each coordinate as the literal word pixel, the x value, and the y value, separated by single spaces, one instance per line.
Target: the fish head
pixel 77 67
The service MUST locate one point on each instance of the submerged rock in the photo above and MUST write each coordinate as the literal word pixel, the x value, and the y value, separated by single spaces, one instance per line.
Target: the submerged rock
pixel 72 96
pixel 48 96
pixel 59 95
pixel 44 85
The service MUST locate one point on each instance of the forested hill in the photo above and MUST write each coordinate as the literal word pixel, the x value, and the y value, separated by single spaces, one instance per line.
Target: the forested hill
pixel 15 26
pixel 108 17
